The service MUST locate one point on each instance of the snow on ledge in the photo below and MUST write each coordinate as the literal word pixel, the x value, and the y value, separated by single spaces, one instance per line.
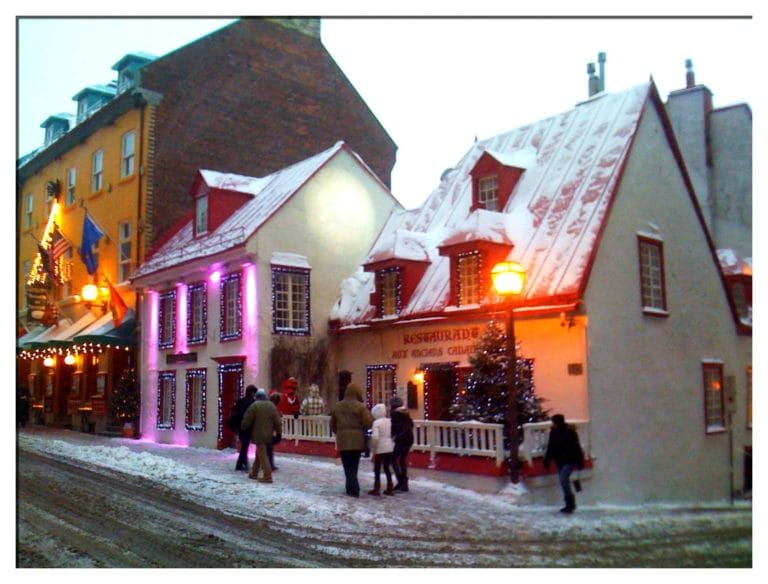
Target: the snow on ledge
pixel 293 260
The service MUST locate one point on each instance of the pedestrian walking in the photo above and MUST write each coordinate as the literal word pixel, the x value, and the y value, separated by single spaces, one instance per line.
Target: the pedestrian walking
pixel 381 447
pixel 313 404
pixel 263 419
pixel 22 406
pixel 565 449
pixel 349 421
pixel 402 436
pixel 234 422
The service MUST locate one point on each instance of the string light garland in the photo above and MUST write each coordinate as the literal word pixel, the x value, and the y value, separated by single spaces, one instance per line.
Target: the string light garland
pixel 460 292
pixel 162 390
pixel 397 290
pixel 281 328
pixel 450 368
pixel 199 290
pixel 193 374
pixel 167 302
pixel 224 284
pixel 369 369
pixel 239 390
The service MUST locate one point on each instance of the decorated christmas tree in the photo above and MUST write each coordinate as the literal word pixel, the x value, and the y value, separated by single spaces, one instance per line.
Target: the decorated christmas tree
pixel 485 395
pixel 125 399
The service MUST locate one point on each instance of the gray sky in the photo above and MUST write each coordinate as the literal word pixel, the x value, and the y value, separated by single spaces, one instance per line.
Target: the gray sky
pixel 434 84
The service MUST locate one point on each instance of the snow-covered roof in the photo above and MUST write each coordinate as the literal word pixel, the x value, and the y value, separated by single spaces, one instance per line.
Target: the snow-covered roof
pixel 268 194
pixel 553 217
pixel 733 264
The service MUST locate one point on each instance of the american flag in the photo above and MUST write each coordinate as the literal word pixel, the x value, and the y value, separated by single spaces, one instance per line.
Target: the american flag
pixel 59 245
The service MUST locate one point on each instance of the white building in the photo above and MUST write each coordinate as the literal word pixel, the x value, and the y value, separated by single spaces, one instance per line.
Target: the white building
pixel 626 314
pixel 257 261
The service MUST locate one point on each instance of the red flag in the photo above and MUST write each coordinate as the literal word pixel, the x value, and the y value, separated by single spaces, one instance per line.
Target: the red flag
pixel 119 308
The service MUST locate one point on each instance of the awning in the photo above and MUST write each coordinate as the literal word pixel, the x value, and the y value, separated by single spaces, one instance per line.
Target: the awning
pixel 29 337
pixel 103 331
pixel 41 341
pixel 65 337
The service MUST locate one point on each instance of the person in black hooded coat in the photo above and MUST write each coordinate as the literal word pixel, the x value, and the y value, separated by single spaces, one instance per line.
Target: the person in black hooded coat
pixel 565 449
pixel 402 435
pixel 239 409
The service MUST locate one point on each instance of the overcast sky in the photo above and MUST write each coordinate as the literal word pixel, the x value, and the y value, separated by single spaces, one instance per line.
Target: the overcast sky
pixel 434 84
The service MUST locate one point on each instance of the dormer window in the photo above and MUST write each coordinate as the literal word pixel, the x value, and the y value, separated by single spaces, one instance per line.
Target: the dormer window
pixel 469 289
pixel 201 215
pixel 389 285
pixel 488 193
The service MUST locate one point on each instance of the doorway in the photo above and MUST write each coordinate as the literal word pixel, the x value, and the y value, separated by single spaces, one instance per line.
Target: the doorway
pixel 231 389
pixel 439 389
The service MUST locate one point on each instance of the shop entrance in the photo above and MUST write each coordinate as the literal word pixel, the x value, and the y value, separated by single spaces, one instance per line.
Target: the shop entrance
pixel 230 390
pixel 439 389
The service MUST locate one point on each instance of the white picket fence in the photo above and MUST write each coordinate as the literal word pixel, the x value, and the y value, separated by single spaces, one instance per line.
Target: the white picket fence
pixel 462 438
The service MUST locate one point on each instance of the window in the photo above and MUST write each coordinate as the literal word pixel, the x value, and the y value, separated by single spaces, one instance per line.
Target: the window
pixel 380 384
pixel 97 170
pixel 124 252
pixel 167 320
pixel 468 278
pixel 488 193
pixel 714 404
pixel 71 179
pixel 290 301
pixel 166 400
pixel 195 399
pixel 127 158
pixel 201 215
pixel 231 306
pixel 65 273
pixel 28 207
pixel 652 288
pixel 197 314
pixel 389 285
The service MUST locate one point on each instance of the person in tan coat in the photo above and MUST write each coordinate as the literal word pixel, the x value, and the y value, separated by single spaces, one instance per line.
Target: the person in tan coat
pixel 349 421
pixel 263 420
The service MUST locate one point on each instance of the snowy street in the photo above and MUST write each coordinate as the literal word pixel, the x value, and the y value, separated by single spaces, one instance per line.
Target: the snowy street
pixel 92 501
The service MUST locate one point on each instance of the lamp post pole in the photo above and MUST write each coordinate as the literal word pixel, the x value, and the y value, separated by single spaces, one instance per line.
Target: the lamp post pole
pixel 514 472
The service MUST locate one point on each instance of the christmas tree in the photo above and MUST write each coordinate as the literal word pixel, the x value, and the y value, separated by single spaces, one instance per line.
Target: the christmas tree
pixel 125 399
pixel 484 398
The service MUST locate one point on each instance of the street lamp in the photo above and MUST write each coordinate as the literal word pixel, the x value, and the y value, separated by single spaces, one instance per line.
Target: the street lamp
pixel 508 281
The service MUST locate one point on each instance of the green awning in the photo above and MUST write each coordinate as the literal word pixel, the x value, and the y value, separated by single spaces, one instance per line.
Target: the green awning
pixel 107 334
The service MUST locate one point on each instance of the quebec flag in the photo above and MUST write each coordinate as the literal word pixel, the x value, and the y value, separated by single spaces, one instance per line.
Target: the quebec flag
pixel 91 235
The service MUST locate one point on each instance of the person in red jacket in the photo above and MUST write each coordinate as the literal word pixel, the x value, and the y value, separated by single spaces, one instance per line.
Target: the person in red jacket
pixel 290 403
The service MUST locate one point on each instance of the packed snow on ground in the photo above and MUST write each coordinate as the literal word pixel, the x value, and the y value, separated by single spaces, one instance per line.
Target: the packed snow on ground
pixel 308 492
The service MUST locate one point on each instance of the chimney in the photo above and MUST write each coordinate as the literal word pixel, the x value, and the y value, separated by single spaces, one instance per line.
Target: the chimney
pixel 690 78
pixel 594 82
pixel 601 60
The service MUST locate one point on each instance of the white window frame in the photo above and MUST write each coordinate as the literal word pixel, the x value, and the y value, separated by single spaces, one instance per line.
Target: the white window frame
pixel 195 395
pixel 201 215
pixel 97 171
pixel 124 251
pixel 166 330
pixel 197 303
pixel 128 154
pixel 653 295
pixel 381 380
pixel 71 182
pixel 714 399
pixel 290 301
pixel 488 192
pixel 28 210
pixel 231 290
pixel 166 395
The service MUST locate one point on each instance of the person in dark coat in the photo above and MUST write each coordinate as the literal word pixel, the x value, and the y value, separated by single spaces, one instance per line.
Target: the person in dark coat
pixel 349 421
pixel 22 406
pixel 263 419
pixel 241 406
pixel 565 449
pixel 402 435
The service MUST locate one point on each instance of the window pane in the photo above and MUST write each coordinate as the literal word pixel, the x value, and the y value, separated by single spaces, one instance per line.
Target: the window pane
pixel 389 292
pixel 487 194
pixel 126 167
pixel 291 301
pixel 651 275
pixel 468 279
pixel 713 397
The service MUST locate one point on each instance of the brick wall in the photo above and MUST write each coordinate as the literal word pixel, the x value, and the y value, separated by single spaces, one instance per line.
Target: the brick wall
pixel 250 99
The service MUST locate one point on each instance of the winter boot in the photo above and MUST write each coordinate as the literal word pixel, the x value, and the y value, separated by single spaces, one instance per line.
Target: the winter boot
pixel 570 504
pixel 390 489
pixel 376 490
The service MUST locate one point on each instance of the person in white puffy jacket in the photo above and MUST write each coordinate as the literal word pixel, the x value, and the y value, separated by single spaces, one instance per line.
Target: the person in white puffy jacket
pixel 381 449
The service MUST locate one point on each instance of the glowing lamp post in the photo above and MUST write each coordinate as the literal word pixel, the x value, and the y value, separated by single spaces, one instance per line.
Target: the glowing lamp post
pixel 508 281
